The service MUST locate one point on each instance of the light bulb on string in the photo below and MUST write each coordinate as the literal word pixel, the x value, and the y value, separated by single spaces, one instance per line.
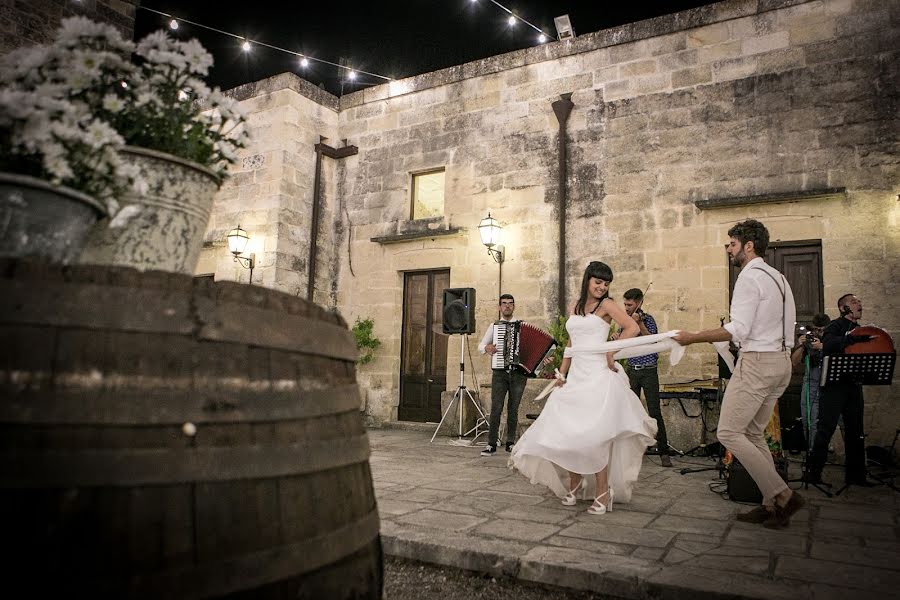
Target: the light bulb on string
pixel 246 44
pixel 511 20
pixel 542 38
pixel 351 75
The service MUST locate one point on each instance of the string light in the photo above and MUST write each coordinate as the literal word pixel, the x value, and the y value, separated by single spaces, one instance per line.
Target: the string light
pixel 246 45
pixel 511 21
pixel 173 24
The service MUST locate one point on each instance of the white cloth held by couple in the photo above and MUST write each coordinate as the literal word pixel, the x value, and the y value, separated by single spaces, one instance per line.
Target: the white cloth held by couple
pixel 642 346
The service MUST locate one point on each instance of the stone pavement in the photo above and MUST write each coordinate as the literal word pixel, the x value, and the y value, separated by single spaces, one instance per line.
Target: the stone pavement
pixel 677 538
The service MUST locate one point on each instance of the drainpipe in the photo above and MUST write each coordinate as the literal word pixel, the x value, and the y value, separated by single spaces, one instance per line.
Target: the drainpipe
pixel 562 108
pixel 336 153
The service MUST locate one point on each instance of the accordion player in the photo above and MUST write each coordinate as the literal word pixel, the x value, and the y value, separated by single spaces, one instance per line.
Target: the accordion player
pixel 519 345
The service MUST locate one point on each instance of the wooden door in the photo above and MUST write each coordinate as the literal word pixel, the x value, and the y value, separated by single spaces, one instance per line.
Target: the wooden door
pixel 423 364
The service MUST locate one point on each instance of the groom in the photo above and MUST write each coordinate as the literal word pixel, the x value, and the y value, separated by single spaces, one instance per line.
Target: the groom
pixel 762 323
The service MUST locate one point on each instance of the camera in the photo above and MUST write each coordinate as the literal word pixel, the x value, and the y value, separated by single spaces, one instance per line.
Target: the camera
pixel 810 337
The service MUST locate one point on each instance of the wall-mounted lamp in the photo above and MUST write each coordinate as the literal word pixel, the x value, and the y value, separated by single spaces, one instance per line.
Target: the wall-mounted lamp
pixel 489 229
pixel 237 243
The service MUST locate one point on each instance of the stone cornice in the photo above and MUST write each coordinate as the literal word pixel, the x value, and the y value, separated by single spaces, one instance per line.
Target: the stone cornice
pixel 820 194
pixel 285 81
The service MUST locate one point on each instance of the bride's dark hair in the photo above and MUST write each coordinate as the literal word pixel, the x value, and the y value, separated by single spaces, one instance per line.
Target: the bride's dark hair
pixel 594 269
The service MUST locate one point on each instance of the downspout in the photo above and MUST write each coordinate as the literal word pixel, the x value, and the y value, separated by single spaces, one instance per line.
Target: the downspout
pixel 336 153
pixel 562 108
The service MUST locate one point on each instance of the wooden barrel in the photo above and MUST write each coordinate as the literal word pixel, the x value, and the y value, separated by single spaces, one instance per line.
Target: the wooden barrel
pixel 106 372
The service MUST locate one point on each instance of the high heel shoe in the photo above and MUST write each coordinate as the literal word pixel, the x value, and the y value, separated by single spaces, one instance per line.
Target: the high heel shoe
pixel 599 508
pixel 569 498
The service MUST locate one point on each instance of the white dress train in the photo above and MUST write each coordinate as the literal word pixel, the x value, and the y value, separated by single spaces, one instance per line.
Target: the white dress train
pixel 594 420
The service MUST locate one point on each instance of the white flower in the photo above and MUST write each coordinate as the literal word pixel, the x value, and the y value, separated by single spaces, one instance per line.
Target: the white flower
pixel 101 135
pixel 198 59
pixel 56 164
pixel 113 103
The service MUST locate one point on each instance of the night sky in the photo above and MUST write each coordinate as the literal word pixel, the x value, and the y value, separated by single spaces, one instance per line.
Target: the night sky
pixel 396 38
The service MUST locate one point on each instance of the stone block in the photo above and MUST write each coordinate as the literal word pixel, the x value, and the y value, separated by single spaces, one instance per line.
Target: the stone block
pixel 616 90
pixel 781 60
pixel 636 68
pixel 517 530
pixel 652 84
pixel 635 536
pixel 678 60
pixel 692 76
pixel 708 36
pixel 719 52
pixel 668 44
pixel 736 68
pixel 630 51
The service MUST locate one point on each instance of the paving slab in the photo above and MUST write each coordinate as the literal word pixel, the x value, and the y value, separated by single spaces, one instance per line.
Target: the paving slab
pixel 676 539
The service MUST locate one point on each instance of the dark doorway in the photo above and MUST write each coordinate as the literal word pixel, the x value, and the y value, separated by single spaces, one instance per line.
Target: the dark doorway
pixel 423 364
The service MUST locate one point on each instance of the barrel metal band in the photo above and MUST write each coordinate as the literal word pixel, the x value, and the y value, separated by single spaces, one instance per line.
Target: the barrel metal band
pixel 129 467
pixel 172 407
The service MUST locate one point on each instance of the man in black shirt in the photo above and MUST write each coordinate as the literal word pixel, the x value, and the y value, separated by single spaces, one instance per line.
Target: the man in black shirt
pixel 841 399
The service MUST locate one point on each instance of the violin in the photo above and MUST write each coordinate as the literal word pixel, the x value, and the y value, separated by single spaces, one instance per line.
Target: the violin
pixel 880 341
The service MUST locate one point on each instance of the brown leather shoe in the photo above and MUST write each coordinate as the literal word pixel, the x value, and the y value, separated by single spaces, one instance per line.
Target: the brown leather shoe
pixel 781 518
pixel 760 514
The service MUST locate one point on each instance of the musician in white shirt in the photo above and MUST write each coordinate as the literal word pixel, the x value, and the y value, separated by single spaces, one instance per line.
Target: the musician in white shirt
pixel 762 324
pixel 504 381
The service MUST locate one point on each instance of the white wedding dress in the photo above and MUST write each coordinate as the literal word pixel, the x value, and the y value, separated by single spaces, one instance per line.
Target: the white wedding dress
pixel 593 420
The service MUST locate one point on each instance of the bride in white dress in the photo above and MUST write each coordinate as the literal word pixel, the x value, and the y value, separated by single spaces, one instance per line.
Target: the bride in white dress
pixel 592 433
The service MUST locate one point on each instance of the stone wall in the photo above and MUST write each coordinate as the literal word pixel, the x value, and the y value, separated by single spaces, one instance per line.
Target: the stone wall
pixel 737 99
pixel 26 23
pixel 269 194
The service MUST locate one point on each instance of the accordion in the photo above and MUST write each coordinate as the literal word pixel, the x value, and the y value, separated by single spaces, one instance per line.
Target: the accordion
pixel 520 345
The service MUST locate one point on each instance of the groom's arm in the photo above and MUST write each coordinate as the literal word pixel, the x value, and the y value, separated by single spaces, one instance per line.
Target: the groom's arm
pixel 719 334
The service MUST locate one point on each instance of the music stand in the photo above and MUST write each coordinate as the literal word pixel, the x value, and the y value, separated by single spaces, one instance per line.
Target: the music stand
pixel 860 369
pixel 720 465
pixel 804 475
pixel 458 397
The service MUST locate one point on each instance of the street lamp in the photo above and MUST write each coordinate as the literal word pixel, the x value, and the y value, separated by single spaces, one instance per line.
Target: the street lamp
pixel 237 243
pixel 489 229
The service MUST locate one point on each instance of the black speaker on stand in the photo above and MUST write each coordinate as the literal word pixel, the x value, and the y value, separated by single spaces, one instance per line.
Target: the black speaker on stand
pixel 459 317
pixel 459 310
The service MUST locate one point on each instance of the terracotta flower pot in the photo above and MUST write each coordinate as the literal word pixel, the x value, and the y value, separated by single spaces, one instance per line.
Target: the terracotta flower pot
pixel 166 225
pixel 41 220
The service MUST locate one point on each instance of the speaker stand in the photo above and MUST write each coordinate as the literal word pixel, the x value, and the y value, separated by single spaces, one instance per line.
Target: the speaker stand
pixel 458 398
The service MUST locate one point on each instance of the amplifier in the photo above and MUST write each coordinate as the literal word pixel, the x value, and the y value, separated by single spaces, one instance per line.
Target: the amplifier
pixel 742 488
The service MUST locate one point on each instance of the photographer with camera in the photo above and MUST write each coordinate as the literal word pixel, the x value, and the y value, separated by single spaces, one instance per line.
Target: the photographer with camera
pixel 809 353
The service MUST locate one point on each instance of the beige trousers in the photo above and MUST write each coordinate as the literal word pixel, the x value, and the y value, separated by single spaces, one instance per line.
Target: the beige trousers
pixel 758 381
